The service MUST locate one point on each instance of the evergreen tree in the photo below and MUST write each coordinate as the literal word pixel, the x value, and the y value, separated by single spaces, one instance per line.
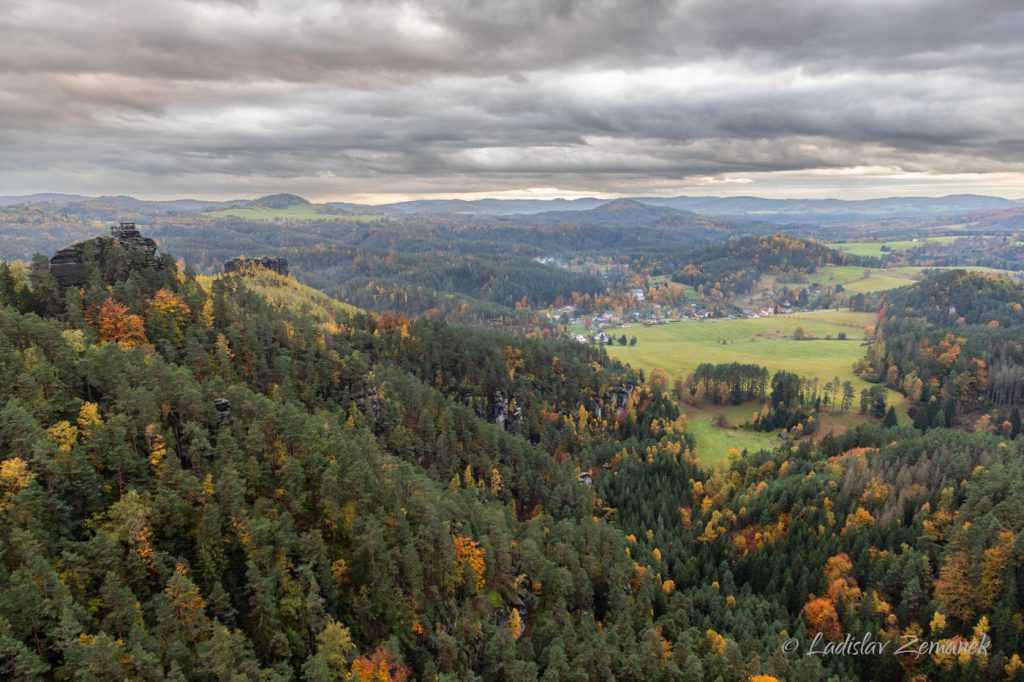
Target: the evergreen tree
pixel 890 418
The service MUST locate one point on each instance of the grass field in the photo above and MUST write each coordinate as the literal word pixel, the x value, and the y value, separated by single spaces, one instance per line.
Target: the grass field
pixel 863 280
pixel 296 212
pixel 679 347
pixel 858 280
pixel 855 279
pixel 874 249
pixel 690 292
pixel 713 442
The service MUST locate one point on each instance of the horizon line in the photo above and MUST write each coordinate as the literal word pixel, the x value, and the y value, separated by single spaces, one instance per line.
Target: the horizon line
pixel 503 196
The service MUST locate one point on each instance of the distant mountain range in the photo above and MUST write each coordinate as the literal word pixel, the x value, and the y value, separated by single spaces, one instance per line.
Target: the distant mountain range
pixel 774 210
pixel 125 202
pixel 781 211
pixel 835 210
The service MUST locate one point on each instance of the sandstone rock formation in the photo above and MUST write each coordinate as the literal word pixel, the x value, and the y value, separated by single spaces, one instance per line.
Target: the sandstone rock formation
pixel 240 264
pixel 117 256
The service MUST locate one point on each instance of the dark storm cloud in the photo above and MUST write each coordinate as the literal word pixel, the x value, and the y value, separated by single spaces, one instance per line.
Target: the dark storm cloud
pixel 325 97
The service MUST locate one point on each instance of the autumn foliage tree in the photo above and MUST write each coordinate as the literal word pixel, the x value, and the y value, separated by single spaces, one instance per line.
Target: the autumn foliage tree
pixel 115 324
pixel 380 666
pixel 821 617
pixel 168 315
pixel 469 557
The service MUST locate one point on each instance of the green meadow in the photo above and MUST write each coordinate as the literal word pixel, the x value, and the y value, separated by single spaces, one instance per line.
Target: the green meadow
pixel 713 442
pixel 768 341
pixel 295 212
pixel 858 280
pixel 679 347
pixel 874 249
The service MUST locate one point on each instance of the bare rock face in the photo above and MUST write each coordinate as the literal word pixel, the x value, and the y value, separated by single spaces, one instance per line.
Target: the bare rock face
pixel 240 264
pixel 117 256
pixel 223 408
pixel 500 410
pixel 620 395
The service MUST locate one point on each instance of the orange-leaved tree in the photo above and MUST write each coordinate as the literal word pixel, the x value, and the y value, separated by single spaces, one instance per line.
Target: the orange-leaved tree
pixel 115 324
pixel 380 666
pixel 822 617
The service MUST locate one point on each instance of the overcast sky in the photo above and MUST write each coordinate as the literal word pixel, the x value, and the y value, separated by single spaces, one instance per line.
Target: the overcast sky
pixel 377 100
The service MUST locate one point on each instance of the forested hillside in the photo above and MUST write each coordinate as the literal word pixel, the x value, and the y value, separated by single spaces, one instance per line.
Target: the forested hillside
pixel 239 478
pixel 465 268
pixel 734 268
pixel 887 532
pixel 202 484
pixel 953 343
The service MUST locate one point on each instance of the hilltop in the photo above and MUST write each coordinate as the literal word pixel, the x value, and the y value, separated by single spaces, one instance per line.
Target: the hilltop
pixel 737 266
pixel 287 293
pixel 278 201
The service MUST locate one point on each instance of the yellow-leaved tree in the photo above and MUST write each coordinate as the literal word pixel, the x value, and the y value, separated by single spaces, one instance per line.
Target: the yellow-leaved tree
pixel 469 556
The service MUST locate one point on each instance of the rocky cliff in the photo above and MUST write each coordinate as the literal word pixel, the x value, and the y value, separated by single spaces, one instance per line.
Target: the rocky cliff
pixel 116 256
pixel 278 265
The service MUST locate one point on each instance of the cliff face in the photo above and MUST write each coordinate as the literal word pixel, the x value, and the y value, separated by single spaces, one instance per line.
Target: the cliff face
pixel 278 265
pixel 117 256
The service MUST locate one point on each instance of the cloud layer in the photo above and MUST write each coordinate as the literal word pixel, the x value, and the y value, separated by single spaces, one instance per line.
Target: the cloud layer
pixel 387 99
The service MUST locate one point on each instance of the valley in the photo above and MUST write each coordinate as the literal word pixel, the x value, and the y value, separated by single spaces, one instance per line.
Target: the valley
pixel 678 347
pixel 474 437
pixel 574 341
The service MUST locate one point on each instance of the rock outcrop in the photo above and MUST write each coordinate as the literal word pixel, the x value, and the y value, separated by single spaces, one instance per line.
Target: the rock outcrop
pixel 223 408
pixel 117 256
pixel 240 264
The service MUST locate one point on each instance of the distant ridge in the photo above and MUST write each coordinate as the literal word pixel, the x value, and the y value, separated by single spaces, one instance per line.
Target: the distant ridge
pixel 279 201
pixel 616 210
pixel 46 198
pixel 831 210
pixel 773 210
pixel 491 206
pixel 779 211
pixel 116 203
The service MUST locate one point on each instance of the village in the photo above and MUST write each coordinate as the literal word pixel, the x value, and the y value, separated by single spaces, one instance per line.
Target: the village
pixel 611 326
pixel 606 319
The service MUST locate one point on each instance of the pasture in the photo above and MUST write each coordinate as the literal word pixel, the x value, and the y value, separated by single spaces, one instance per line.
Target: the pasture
pixel 295 212
pixel 858 280
pixel 768 341
pixel 874 249
pixel 713 442
pixel 679 347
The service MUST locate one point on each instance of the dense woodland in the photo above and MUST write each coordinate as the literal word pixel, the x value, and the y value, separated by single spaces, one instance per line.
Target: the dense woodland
pixel 1000 252
pixel 238 478
pixel 732 269
pixel 465 268
pixel 953 344
pixel 356 507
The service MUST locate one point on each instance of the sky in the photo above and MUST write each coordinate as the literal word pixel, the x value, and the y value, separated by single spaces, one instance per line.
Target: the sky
pixel 378 101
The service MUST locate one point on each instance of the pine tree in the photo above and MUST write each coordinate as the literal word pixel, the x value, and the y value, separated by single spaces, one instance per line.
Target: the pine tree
pixel 890 418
